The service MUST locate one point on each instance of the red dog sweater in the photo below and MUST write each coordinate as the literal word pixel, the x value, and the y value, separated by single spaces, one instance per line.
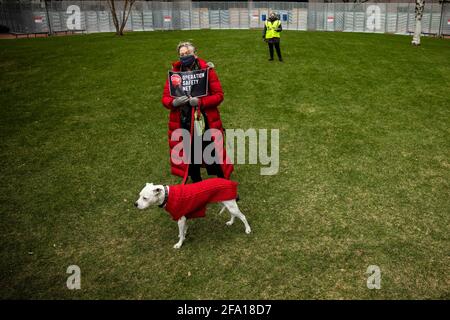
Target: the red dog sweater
pixel 190 200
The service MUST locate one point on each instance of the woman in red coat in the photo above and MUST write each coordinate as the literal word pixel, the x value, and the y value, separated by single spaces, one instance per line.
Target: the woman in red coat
pixel 182 112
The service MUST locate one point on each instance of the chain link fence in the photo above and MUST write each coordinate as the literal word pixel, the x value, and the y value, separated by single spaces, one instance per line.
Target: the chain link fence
pixel 30 16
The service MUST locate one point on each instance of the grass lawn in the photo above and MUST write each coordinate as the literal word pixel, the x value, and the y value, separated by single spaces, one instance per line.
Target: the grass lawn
pixel 364 175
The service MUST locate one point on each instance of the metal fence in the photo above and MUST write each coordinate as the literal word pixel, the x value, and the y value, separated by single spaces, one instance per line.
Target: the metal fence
pixel 30 16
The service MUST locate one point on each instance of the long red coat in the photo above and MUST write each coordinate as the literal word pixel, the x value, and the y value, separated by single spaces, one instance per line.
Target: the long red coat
pixel 190 200
pixel 208 104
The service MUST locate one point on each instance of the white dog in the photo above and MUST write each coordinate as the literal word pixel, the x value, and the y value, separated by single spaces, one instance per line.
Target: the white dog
pixel 189 201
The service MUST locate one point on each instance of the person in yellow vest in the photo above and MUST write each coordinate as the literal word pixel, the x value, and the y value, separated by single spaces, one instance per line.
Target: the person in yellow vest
pixel 271 34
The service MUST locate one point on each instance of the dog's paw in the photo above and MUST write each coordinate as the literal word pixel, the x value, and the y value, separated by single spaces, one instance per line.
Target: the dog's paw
pixel 248 230
pixel 177 245
pixel 229 223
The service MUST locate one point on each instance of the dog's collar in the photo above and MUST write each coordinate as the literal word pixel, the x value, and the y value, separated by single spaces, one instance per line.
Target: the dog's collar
pixel 166 196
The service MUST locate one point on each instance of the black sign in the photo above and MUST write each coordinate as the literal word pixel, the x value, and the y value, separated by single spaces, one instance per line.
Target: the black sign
pixel 191 83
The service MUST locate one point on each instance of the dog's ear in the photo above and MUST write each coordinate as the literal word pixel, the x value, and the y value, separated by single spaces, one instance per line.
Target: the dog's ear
pixel 157 191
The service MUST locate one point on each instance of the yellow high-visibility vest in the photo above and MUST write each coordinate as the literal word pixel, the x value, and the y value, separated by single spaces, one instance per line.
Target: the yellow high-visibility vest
pixel 271 28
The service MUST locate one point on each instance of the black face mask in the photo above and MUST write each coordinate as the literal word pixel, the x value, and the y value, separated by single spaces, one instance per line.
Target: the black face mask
pixel 187 61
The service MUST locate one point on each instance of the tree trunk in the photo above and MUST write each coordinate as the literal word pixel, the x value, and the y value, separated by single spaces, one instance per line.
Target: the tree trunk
pixel 120 24
pixel 420 5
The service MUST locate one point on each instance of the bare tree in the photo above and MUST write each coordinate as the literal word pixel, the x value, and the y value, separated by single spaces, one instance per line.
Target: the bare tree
pixel 420 5
pixel 120 22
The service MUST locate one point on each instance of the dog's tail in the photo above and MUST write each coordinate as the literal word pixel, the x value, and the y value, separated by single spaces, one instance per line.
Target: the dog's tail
pixel 223 209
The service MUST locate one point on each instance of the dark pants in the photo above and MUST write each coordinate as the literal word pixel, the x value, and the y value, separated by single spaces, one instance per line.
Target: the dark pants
pixel 194 168
pixel 277 47
pixel 211 169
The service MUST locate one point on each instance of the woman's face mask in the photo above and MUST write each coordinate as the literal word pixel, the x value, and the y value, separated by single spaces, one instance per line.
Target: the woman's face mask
pixel 187 60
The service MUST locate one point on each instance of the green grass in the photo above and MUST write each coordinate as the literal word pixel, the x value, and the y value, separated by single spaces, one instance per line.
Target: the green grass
pixel 364 175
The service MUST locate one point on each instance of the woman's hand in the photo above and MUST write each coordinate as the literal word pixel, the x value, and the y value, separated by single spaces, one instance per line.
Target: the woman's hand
pixel 193 102
pixel 180 101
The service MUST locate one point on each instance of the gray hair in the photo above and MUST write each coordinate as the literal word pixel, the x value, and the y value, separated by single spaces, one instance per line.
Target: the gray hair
pixel 186 44
pixel 274 14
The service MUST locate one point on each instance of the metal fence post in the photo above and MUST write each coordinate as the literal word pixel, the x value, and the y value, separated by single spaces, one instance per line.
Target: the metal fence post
pixel 365 17
pixel 86 21
pixel 49 24
pixel 190 15
pixel 407 19
pixel 440 20
pixel 97 13
pixel 239 13
pixel 396 21
pixel 386 17
pixel 334 17
pixel 345 16
pixel 431 18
